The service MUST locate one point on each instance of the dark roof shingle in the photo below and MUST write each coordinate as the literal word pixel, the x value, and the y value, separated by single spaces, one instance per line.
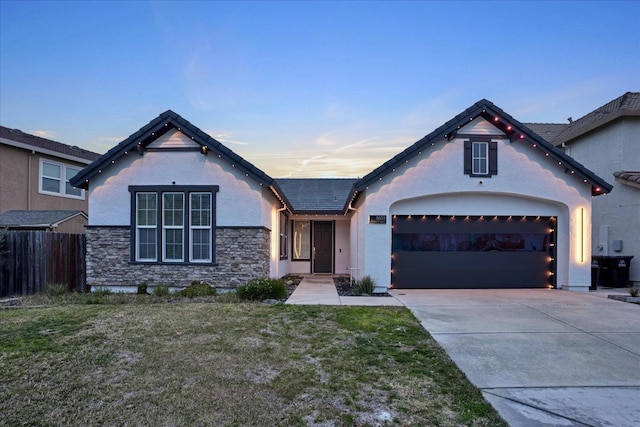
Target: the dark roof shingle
pixel 548 131
pixel 46 144
pixel 623 106
pixel 317 195
pixel 20 218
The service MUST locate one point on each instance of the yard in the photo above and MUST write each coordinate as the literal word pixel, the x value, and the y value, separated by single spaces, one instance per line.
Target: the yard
pixel 115 360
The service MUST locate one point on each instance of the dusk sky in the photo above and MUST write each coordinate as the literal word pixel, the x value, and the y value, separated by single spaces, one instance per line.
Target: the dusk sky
pixel 307 89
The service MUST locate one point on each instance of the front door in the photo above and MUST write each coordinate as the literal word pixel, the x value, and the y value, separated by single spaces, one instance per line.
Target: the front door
pixel 322 247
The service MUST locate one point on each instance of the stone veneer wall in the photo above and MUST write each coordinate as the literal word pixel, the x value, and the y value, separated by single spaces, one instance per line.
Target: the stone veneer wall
pixel 241 254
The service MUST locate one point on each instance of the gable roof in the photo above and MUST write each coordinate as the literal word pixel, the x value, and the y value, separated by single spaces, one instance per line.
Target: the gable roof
pixel 317 195
pixel 137 142
pixel 515 131
pixel 37 219
pixel 17 138
pixel 627 105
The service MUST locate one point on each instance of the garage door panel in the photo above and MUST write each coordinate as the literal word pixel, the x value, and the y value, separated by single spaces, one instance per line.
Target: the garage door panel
pixel 468 270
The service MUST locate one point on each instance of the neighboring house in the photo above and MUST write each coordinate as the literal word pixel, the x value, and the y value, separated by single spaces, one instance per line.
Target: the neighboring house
pixel 480 202
pixel 35 174
pixel 72 222
pixel 607 141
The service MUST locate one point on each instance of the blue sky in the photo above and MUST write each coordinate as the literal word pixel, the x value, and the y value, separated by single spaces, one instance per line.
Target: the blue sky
pixel 306 88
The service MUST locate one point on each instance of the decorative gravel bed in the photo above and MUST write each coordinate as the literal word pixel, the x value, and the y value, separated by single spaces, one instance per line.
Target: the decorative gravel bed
pixel 345 289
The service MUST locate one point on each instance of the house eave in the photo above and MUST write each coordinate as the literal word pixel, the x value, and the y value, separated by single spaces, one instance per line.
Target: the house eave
pixel 513 130
pixel 138 141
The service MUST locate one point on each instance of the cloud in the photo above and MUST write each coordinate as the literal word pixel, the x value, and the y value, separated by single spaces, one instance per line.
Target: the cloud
pixel 226 138
pixel 349 160
pixel 49 134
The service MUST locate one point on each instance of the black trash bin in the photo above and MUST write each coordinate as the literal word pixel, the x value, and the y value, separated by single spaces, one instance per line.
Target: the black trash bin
pixel 620 271
pixel 595 275
pixel 610 271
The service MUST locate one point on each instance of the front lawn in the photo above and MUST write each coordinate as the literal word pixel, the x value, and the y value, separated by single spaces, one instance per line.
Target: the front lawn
pixel 228 364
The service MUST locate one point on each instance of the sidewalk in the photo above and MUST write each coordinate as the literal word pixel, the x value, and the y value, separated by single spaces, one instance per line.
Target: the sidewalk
pixel 320 290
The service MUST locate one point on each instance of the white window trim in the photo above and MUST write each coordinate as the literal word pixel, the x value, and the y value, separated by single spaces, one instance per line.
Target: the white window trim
pixel 474 171
pixel 200 227
pixel 62 180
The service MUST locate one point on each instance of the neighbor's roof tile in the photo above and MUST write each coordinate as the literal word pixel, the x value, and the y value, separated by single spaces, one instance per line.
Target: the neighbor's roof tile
pixel 46 144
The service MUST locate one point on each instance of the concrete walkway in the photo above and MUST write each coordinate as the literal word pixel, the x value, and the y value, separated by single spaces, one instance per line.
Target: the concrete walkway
pixel 541 357
pixel 320 290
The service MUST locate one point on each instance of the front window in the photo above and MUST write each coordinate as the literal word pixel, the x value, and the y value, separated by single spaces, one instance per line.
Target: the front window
pixel 172 224
pixel 146 226
pixel 301 240
pixel 55 177
pixel 480 158
pixel 200 227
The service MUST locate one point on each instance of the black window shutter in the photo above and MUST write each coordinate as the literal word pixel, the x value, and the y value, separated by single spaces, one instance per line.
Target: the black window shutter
pixel 493 158
pixel 467 157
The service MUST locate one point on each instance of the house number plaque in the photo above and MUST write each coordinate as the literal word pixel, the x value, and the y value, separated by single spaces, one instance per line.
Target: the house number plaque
pixel 377 219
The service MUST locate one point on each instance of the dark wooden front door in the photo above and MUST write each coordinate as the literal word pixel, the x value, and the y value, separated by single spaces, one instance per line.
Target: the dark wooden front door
pixel 323 247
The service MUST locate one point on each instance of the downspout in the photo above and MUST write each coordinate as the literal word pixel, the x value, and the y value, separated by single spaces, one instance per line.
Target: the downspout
pixel 29 180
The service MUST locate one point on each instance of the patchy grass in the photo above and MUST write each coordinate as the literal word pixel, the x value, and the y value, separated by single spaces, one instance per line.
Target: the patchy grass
pixel 228 364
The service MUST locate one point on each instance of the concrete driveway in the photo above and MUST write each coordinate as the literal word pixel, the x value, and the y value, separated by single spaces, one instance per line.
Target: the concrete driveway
pixel 541 357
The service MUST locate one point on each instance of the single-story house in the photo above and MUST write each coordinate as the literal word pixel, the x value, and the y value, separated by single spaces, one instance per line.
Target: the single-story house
pixel 480 202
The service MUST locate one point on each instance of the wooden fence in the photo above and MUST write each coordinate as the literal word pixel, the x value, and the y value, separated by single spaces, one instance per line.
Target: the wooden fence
pixel 29 260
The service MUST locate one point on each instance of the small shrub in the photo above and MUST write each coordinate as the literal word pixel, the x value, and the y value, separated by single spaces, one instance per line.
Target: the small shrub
pixel 198 289
pixel 142 289
pixel 365 286
pixel 634 291
pixel 56 289
pixel 161 291
pixel 261 289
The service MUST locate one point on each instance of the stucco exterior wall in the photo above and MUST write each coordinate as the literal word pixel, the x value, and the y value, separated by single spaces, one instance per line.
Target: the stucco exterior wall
pixel 341 247
pixel 239 201
pixel 20 180
pixel 527 183
pixel 616 216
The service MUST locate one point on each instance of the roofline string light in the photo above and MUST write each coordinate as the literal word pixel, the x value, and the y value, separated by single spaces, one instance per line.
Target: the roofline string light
pixel 509 127
pixel 496 119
